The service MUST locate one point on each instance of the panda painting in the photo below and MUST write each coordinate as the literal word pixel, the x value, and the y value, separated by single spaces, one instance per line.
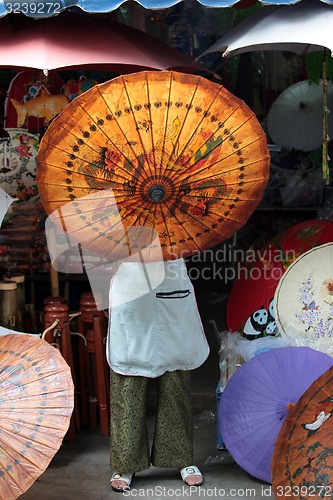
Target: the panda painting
pixel 261 323
pixel 256 323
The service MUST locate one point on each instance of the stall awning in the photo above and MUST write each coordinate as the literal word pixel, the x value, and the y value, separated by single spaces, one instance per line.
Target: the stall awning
pixel 47 8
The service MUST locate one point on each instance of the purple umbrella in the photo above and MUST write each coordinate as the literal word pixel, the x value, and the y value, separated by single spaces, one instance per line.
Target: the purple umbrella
pixel 254 404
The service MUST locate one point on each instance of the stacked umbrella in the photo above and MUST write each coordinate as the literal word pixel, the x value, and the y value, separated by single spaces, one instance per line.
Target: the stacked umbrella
pixel 250 308
pixel 299 28
pixel 275 412
pixel 258 398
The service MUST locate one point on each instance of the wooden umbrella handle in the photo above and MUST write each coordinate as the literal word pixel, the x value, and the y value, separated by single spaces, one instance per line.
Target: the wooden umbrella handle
pixel 54 278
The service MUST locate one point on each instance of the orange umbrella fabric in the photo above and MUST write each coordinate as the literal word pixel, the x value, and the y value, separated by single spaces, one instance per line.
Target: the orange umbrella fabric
pixel 36 403
pixel 303 456
pixel 182 155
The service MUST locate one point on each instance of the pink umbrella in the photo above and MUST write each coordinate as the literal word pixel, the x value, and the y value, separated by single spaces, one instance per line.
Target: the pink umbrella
pixel 77 40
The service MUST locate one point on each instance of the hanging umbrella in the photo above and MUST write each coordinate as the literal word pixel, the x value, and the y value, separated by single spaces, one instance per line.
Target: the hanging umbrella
pixel 36 404
pixel 302 27
pixel 295 119
pixel 250 307
pixel 256 401
pixel 303 300
pixel 182 155
pixel 80 41
pixel 5 202
pixel 303 456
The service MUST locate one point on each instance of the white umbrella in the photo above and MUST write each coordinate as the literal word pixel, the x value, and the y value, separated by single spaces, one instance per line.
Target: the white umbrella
pixel 295 119
pixel 303 300
pixel 303 27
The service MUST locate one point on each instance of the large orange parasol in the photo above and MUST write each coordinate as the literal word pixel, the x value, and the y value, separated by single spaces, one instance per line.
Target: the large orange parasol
pixel 303 457
pixel 182 155
pixel 36 403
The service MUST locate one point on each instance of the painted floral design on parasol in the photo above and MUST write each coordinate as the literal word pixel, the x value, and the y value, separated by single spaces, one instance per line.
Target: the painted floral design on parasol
pixel 181 154
pixel 304 299
pixel 312 315
pixel 18 175
pixel 36 403
pixel 302 462
pixel 250 308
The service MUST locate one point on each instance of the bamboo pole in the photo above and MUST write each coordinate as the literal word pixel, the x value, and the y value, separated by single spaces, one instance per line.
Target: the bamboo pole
pixel 325 164
pixel 54 277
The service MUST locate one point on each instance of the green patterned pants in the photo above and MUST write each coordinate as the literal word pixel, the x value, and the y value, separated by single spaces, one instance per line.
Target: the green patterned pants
pixel 172 444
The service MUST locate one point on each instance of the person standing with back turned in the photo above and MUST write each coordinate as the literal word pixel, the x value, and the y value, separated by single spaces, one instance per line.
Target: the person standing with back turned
pixel 155 331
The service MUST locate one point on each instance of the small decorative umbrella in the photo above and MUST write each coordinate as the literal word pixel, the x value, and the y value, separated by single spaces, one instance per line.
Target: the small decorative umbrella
pixel 182 155
pixel 19 176
pixel 303 455
pixel 250 307
pixel 256 401
pixel 303 300
pixel 295 119
pixel 36 403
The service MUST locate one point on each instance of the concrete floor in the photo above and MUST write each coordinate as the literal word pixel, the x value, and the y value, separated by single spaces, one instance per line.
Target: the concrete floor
pixel 80 471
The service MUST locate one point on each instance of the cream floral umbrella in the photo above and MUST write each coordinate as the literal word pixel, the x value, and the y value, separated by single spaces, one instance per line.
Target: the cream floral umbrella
pixel 303 300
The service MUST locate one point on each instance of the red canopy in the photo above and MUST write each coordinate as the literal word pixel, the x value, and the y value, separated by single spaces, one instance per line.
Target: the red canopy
pixel 76 40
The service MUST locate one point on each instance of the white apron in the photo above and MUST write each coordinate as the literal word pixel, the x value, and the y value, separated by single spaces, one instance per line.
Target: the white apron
pixel 154 323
